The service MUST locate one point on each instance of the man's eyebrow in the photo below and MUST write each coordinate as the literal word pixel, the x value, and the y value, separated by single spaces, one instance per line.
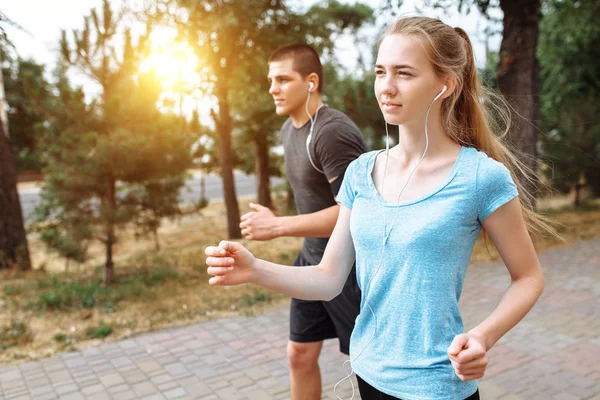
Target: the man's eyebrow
pixel 279 76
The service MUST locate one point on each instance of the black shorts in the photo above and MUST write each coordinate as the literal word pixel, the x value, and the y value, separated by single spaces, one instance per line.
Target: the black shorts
pixel 368 392
pixel 315 321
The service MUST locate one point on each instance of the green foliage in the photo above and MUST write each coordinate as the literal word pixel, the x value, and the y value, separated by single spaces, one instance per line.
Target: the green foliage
pixel 98 332
pixel 236 39
pixel 115 161
pixel 257 298
pixel 92 293
pixel 354 95
pixel 14 334
pixel 60 337
pixel 14 289
pixel 27 94
pixel 570 93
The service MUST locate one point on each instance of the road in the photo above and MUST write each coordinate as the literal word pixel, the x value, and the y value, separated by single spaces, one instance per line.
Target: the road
pixel 245 186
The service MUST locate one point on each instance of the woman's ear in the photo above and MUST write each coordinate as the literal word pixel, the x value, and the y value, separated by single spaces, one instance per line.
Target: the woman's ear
pixel 450 88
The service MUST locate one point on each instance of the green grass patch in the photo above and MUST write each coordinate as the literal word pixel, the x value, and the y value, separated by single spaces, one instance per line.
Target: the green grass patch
pixel 60 337
pixel 14 334
pixel 14 289
pixel 256 298
pixel 99 332
pixel 92 293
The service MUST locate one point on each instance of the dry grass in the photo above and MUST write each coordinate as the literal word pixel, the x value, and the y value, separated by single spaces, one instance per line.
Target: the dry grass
pixel 155 289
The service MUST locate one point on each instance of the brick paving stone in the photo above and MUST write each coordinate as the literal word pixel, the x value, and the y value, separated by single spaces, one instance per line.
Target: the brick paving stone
pixel 552 354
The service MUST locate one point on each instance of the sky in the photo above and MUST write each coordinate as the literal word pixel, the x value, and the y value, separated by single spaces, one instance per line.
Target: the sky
pixel 43 20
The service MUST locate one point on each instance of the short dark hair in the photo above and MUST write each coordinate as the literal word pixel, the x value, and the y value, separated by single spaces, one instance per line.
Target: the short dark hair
pixel 305 60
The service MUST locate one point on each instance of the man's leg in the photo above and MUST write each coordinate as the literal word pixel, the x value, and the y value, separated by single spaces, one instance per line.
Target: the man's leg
pixel 305 375
pixel 310 325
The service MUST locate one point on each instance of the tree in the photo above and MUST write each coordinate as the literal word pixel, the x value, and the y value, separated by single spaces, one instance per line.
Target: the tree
pixel 27 95
pixel 234 39
pixel 117 160
pixel 13 240
pixel 353 94
pixel 570 94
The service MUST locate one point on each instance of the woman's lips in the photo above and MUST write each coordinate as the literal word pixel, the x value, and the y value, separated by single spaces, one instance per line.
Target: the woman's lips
pixel 390 106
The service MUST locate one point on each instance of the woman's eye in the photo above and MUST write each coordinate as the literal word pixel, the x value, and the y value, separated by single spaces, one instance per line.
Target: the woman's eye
pixel 378 72
pixel 403 73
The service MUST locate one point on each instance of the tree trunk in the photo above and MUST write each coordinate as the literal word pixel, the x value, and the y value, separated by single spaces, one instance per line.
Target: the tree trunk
pixel 13 241
pixel 203 187
pixel 578 187
pixel 517 75
pixel 223 123
pixel 110 232
pixel 156 240
pixel 263 184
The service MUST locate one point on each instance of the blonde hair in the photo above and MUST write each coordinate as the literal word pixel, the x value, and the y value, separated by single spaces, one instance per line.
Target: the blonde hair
pixel 473 115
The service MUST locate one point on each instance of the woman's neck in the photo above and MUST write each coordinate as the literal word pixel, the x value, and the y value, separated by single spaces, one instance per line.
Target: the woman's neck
pixel 413 141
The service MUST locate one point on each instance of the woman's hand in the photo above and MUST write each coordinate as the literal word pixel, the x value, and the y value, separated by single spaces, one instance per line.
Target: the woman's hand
pixel 230 263
pixel 468 356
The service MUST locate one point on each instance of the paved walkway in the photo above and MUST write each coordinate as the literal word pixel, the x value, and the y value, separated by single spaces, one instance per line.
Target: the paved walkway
pixel 553 354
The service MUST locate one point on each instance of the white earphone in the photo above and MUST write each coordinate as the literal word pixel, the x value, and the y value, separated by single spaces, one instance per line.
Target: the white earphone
pixel 311 85
pixel 440 93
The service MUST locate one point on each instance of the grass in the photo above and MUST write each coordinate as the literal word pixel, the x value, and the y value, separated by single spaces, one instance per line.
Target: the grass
pixel 56 310
pixel 16 333
pixel 98 332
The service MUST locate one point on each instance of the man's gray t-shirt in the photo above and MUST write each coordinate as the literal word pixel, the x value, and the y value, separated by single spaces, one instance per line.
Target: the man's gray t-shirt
pixel 336 142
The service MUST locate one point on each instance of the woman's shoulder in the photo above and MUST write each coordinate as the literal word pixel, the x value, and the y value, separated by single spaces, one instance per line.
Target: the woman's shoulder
pixel 489 169
pixel 487 163
pixel 365 159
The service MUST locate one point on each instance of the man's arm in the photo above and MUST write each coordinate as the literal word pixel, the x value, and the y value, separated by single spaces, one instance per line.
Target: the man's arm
pixel 262 224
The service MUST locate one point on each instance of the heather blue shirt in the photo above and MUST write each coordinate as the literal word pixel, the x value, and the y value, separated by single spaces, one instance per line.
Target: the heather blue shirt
pixel 416 290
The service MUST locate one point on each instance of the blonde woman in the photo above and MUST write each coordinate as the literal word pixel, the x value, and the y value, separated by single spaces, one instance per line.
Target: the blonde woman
pixel 410 216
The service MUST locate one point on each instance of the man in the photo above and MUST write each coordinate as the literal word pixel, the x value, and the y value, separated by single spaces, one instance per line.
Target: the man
pixel 315 164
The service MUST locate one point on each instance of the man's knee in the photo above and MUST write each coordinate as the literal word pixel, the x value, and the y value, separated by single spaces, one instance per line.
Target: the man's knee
pixel 303 356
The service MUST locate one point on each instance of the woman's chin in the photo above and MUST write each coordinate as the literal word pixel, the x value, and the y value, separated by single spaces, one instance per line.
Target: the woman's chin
pixel 393 119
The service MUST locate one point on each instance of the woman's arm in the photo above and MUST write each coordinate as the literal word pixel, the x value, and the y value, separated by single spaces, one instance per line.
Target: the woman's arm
pixel 232 264
pixel 507 230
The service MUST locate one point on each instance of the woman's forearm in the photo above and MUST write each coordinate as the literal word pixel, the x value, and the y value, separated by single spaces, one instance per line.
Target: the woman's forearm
pixel 515 304
pixel 307 283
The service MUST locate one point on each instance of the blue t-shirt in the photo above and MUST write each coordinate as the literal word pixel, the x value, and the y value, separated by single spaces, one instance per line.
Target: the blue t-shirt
pixel 416 290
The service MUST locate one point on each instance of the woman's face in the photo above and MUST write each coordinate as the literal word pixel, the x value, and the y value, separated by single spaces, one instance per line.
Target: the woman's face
pixel 405 82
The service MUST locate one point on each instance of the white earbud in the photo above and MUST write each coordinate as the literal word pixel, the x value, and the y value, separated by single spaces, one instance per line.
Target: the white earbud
pixel 440 93
pixel 311 85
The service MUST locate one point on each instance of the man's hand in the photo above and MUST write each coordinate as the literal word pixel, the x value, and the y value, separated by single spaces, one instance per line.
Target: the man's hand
pixel 260 224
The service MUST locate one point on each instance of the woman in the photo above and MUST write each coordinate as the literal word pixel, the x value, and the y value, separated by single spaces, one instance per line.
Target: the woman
pixel 410 216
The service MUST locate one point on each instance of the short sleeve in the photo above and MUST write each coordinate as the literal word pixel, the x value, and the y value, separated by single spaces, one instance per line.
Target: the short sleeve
pixel 347 191
pixel 495 187
pixel 337 144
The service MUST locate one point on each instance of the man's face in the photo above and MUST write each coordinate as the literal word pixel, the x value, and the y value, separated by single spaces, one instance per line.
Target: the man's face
pixel 288 88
